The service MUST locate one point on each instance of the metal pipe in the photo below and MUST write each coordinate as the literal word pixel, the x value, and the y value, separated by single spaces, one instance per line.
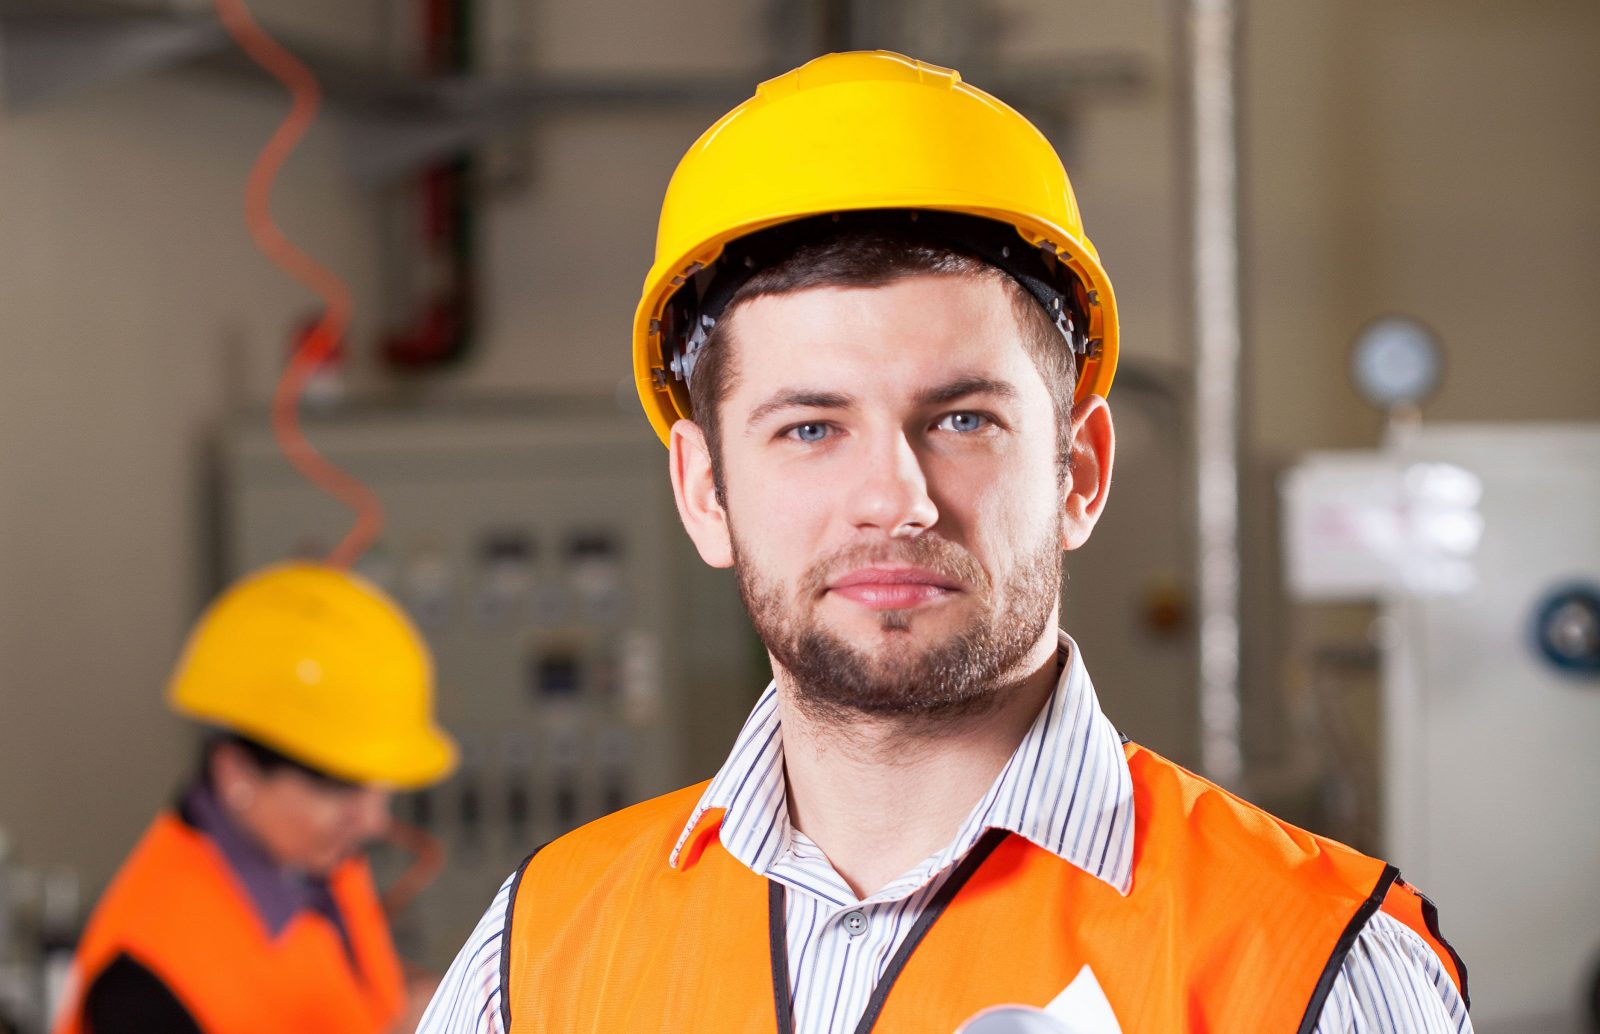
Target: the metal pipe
pixel 1210 33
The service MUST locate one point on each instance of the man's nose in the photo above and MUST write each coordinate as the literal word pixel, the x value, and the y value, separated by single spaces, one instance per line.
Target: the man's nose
pixel 892 494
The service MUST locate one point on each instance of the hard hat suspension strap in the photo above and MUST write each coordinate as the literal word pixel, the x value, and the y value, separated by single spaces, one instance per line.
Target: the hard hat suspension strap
pixel 692 313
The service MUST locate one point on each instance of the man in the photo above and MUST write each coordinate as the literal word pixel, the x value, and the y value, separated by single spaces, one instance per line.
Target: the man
pixel 878 345
pixel 248 908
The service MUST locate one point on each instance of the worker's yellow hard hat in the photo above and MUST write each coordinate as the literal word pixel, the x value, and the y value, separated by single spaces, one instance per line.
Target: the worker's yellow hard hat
pixel 849 133
pixel 321 666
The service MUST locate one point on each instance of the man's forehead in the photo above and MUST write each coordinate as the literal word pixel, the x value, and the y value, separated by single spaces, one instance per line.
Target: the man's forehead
pixel 990 289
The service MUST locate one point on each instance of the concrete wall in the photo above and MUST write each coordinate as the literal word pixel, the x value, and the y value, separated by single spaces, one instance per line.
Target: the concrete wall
pixel 1429 157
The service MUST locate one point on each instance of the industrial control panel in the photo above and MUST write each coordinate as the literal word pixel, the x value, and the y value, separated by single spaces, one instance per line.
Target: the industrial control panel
pixel 587 659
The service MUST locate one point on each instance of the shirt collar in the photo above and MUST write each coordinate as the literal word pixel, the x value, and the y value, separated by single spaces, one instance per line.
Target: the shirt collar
pixel 1066 788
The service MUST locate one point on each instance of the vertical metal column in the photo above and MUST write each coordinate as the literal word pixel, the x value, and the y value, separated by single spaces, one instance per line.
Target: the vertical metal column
pixel 1210 34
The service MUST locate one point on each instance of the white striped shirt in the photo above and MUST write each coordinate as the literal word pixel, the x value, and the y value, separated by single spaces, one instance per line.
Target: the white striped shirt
pixel 1066 788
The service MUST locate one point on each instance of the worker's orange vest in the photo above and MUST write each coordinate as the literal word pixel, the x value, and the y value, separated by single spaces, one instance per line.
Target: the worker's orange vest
pixel 178 909
pixel 1235 922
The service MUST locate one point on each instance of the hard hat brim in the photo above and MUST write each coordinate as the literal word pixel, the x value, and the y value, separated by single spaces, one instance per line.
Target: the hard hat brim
pixel 412 762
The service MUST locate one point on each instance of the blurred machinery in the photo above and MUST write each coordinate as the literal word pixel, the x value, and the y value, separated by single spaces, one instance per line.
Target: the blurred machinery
pixel 1481 546
pixel 40 914
pixel 587 658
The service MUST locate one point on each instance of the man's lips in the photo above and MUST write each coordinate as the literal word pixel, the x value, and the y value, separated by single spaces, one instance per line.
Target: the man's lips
pixel 893 588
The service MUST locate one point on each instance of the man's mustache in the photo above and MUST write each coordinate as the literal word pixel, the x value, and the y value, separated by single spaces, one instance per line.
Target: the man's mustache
pixel 940 556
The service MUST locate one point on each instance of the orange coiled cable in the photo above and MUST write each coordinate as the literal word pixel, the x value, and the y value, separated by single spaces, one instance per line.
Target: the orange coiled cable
pixel 315 348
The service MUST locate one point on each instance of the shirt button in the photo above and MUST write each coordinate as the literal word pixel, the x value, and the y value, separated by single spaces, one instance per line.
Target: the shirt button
pixel 855 923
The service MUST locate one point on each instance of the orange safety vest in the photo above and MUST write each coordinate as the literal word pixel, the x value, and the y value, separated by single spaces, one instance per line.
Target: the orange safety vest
pixel 177 908
pixel 1235 922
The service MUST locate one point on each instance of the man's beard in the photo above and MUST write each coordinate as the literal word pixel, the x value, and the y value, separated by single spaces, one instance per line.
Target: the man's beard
pixel 960 676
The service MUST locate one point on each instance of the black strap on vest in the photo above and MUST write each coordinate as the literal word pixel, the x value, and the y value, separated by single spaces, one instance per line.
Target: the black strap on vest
pixel 777 926
pixel 1430 915
pixel 1341 949
pixel 505 939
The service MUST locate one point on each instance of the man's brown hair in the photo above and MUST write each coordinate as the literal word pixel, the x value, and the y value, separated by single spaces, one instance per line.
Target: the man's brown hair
pixel 876 257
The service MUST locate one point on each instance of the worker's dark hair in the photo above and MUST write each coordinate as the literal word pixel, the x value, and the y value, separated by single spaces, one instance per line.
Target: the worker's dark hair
pixel 875 257
pixel 262 757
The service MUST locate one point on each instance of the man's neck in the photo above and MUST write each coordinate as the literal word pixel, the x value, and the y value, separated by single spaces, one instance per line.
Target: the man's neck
pixel 883 795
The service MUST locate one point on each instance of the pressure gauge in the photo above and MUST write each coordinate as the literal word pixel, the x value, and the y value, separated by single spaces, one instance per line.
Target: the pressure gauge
pixel 1396 362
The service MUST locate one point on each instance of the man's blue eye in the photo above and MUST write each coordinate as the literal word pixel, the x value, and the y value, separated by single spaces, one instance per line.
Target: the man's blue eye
pixel 963 422
pixel 811 432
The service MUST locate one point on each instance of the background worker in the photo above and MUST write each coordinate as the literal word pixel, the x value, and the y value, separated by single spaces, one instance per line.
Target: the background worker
pixel 248 907
pixel 878 344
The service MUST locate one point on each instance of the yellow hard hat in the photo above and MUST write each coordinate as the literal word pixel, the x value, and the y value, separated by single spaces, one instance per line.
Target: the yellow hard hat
pixel 851 133
pixel 318 664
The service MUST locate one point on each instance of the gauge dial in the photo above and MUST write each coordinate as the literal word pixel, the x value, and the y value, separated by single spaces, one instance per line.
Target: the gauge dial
pixel 1396 361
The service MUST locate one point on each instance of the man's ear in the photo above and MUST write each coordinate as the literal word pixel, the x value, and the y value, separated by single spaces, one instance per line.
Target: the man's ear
pixel 1089 475
pixel 695 491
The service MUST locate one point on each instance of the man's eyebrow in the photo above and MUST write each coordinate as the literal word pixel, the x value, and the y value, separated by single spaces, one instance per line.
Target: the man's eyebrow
pixel 797 398
pixel 961 387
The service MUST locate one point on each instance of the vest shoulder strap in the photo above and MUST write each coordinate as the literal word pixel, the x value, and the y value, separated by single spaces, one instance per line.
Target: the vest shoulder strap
pixel 565 869
pixel 1412 907
pixel 1237 835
